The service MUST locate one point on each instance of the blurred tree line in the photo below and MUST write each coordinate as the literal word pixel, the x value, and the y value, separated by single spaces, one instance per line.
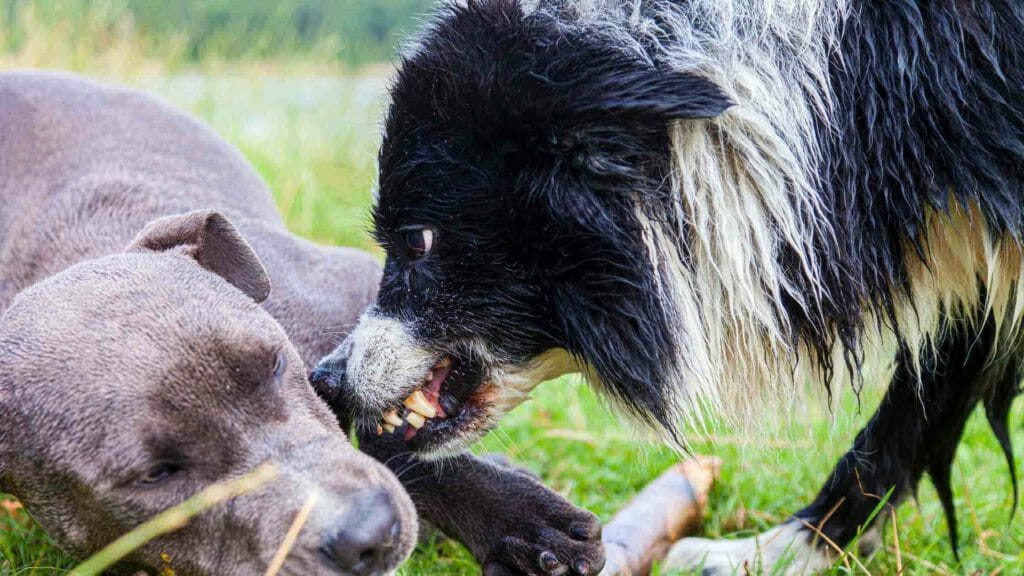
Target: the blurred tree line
pixel 352 32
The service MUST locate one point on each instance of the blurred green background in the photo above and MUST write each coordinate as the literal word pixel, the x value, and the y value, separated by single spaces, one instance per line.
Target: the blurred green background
pixel 349 32
pixel 300 86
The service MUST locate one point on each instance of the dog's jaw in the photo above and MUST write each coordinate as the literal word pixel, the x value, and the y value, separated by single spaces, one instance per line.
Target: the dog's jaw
pixel 501 391
pixel 439 402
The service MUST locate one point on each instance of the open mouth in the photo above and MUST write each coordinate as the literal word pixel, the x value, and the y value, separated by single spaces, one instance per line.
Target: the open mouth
pixel 449 399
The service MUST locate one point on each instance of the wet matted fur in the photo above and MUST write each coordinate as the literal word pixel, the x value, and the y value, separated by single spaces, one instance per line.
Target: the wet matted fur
pixel 702 205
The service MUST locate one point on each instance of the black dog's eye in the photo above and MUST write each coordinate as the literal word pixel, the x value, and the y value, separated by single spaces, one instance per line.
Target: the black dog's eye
pixel 157 475
pixel 419 241
pixel 280 365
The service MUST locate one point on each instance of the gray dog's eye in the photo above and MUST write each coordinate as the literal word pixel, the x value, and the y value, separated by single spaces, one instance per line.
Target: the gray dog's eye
pixel 157 474
pixel 419 241
pixel 280 365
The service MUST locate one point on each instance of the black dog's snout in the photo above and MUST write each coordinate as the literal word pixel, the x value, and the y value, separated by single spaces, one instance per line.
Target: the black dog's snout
pixel 327 378
pixel 367 535
pixel 321 378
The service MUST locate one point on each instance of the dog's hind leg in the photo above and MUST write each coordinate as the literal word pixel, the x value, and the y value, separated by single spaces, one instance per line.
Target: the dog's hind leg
pixel 914 431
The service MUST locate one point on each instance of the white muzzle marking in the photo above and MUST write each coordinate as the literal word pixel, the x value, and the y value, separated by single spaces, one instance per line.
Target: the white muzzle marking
pixel 385 361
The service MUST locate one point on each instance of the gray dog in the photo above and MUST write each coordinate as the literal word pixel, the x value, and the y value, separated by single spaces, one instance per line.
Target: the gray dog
pixel 137 365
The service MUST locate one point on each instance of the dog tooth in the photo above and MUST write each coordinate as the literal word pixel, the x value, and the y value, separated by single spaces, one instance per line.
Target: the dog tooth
pixel 416 420
pixel 418 403
pixel 393 418
pixel 445 362
pixel 389 428
pixel 380 429
pixel 429 376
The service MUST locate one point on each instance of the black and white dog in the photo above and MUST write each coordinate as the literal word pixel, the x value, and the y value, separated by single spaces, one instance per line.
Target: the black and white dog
pixel 700 204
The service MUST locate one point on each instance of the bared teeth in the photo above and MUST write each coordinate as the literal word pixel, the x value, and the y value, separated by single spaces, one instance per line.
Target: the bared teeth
pixel 380 429
pixel 417 402
pixel 416 420
pixel 445 362
pixel 429 376
pixel 393 419
pixel 389 428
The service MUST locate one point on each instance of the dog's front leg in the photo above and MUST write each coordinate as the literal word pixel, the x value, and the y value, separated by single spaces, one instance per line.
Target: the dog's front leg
pixel 915 431
pixel 506 517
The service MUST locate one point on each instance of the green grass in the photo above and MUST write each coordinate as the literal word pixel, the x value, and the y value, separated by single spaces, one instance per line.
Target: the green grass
pixel 189 32
pixel 313 138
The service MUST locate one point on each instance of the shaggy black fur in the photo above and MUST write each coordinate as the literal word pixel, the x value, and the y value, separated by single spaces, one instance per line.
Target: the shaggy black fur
pixel 916 430
pixel 930 111
pixel 527 147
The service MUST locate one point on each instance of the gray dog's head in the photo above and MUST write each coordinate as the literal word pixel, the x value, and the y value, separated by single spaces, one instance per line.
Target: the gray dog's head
pixel 131 382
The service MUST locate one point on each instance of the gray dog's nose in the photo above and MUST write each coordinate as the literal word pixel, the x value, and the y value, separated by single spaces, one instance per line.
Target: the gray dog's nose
pixel 367 534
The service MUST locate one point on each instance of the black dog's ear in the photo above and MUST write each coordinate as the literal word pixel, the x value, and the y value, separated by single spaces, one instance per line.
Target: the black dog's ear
pixel 215 244
pixel 580 77
pixel 641 93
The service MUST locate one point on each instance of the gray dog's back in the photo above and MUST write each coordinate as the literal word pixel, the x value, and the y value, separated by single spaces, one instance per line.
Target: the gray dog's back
pixel 84 167
pixel 75 155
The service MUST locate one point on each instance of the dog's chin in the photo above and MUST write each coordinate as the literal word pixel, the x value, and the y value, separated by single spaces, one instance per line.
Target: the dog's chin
pixel 448 440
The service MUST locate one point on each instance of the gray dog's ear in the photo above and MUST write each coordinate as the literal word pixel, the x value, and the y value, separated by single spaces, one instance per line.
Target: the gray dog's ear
pixel 214 242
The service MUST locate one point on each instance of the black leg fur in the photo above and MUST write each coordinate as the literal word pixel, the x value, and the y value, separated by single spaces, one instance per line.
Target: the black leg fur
pixel 506 517
pixel 997 410
pixel 916 430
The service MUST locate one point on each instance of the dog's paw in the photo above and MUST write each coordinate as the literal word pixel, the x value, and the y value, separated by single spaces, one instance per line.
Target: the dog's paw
pixel 545 535
pixel 563 540
pixel 785 549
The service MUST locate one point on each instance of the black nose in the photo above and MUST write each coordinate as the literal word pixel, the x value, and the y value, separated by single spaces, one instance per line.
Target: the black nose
pixel 320 377
pixel 367 534
pixel 326 378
